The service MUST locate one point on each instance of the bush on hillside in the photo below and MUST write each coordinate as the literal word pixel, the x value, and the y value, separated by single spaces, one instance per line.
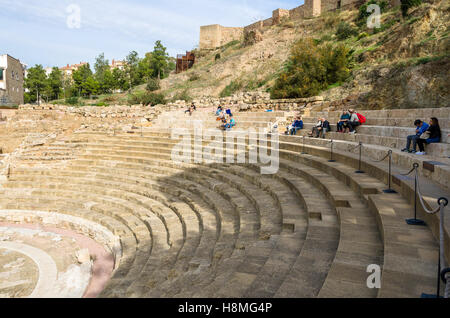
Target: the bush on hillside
pixel 183 95
pixel 363 14
pixel 146 98
pixel 194 77
pixel 311 69
pixel 345 30
pixel 407 4
pixel 72 101
pixel 153 85
pixel 231 88
pixel 153 99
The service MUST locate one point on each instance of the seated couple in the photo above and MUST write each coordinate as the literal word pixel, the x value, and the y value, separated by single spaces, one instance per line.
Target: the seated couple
pixel 294 127
pixel 425 134
pixel 228 124
pixel 349 121
pixel 320 129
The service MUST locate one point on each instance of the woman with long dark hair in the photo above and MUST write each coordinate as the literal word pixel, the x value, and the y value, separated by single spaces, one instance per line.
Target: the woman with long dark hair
pixel 433 135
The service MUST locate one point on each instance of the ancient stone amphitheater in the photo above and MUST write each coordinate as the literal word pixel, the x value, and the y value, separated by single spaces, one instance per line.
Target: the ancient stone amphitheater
pixel 109 213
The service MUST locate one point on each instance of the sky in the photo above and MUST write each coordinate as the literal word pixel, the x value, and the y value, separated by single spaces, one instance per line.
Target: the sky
pixel 49 32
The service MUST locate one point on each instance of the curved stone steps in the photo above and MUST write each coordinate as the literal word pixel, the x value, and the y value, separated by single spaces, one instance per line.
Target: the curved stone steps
pixel 248 223
pixel 368 188
pixel 73 180
pixel 356 249
pixel 308 273
pixel 216 189
pixel 286 246
pixel 112 207
pixel 266 227
pixel 410 252
pixel 106 176
pixel 141 154
pixel 258 193
pixel 364 189
pixel 18 201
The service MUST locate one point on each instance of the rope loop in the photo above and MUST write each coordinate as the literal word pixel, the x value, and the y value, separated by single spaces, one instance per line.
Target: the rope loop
pixel 410 171
pixel 384 158
pixel 443 201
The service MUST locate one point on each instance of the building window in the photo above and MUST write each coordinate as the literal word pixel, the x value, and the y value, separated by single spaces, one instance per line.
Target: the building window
pixel 339 4
pixel 1 74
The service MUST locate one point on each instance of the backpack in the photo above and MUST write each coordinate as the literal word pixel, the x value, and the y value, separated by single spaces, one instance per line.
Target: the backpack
pixel 361 118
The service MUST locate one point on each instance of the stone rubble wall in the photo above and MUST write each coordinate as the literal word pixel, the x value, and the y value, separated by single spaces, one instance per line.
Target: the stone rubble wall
pixel 100 112
pixel 252 101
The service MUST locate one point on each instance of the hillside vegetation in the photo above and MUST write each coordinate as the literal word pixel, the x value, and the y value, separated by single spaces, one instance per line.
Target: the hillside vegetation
pixel 402 64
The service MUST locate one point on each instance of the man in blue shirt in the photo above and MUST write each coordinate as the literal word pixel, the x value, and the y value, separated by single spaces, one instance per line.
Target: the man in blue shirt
pixel 421 128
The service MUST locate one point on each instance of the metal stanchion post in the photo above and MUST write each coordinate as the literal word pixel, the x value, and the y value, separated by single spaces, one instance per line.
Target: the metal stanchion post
pixel 390 190
pixel 304 150
pixel 415 221
pixel 331 159
pixel 360 159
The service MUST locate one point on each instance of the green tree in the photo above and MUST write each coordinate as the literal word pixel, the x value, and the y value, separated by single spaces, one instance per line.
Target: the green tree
pixel 80 76
pixel 108 84
pixel 311 69
pixel 159 60
pixel 55 83
pixel 132 69
pixel 100 67
pixel 145 68
pixel 35 82
pixel 103 74
pixel 90 87
pixel 120 79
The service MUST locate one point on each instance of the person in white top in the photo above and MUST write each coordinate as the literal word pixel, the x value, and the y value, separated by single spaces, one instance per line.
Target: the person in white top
pixel 354 121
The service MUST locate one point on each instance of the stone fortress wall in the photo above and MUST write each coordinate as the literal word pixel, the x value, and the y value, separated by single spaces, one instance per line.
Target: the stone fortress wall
pixel 213 36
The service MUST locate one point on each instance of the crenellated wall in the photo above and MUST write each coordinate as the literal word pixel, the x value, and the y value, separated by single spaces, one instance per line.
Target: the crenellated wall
pixel 214 36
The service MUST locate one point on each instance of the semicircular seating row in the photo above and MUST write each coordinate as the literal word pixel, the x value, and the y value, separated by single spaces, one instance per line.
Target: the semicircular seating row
pixel 225 230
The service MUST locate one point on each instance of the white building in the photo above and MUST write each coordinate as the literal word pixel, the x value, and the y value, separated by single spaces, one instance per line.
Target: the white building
pixel 12 73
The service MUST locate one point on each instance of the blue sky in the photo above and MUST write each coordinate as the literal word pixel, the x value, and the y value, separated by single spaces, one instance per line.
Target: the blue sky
pixel 36 32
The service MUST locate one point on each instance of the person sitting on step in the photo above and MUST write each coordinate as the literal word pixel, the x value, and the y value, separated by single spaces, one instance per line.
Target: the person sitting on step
pixel 324 128
pixel 221 116
pixel 342 125
pixel 296 126
pixel 191 109
pixel 421 127
pixel 353 122
pixel 432 135
pixel 320 131
pixel 315 130
pixel 219 110
pixel 231 123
